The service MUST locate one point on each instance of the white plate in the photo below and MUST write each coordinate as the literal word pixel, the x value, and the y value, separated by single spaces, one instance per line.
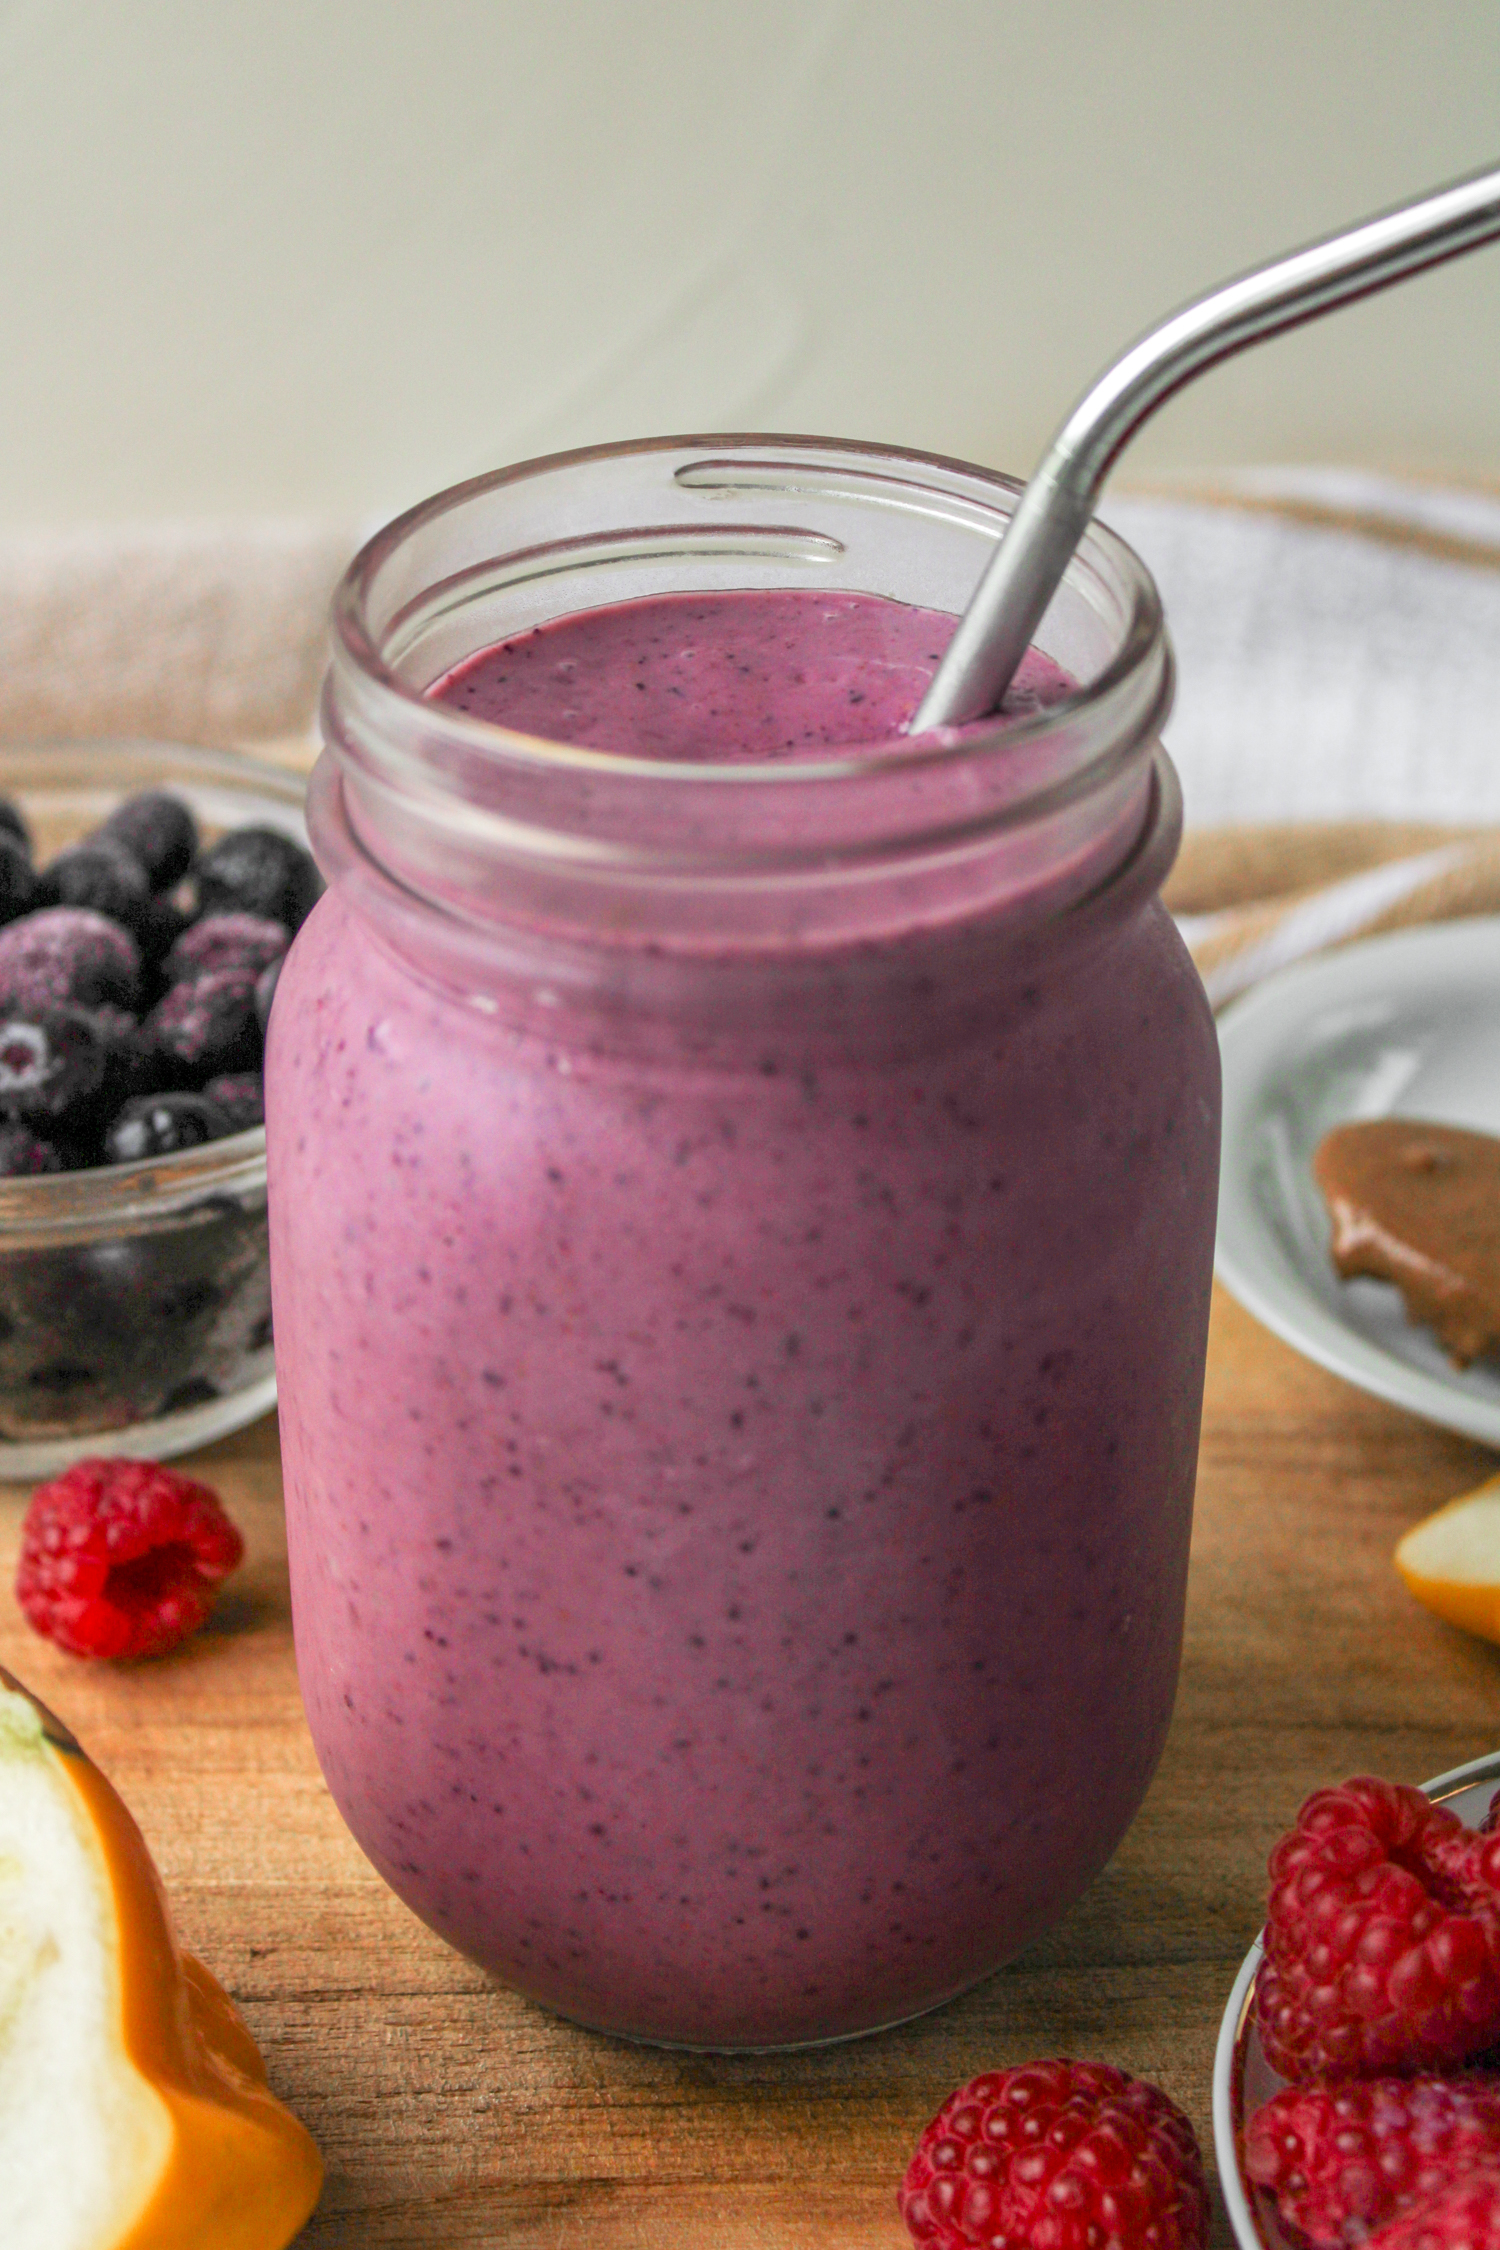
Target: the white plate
pixel 1406 1025
pixel 1243 2079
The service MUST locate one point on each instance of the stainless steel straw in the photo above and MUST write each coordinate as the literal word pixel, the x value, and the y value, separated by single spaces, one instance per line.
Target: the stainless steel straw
pixel 1023 574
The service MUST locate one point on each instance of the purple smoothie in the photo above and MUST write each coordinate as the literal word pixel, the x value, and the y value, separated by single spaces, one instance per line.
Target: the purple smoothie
pixel 739 1496
pixel 725 677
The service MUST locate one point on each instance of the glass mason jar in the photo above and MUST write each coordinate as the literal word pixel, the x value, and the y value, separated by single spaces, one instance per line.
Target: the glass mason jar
pixel 741 1240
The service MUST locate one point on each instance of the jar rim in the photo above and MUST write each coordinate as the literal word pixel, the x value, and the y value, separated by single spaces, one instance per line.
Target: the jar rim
pixel 499 826
pixel 359 657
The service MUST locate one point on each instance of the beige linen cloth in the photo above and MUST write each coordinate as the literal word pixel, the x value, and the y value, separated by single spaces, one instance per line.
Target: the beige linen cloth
pixel 186 633
pixel 1251 901
pixel 1337 727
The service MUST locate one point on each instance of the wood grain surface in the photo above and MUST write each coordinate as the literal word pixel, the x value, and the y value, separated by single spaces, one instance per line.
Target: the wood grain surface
pixel 452 2113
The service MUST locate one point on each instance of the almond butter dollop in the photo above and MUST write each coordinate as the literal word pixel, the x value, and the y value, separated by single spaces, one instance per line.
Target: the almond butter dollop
pixel 1419 1204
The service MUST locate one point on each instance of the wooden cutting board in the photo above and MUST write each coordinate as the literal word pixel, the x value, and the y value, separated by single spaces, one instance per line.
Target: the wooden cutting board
pixel 452 2113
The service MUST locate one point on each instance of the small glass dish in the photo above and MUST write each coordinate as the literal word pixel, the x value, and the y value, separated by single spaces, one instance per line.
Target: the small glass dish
pixel 135 1300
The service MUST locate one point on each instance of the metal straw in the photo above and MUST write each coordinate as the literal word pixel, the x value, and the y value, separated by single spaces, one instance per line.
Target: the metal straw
pixel 1023 574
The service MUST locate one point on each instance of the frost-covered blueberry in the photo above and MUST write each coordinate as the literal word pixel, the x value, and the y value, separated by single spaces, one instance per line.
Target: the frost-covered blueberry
pixel 242 1099
pixel 160 1125
pixel 225 941
pixel 131 1064
pixel 23 1155
pixel 160 925
pixel 258 871
pixel 51 1066
pixel 100 875
pixel 68 954
pixel 206 1029
pixel 265 992
pixel 17 878
pixel 159 833
pixel 13 823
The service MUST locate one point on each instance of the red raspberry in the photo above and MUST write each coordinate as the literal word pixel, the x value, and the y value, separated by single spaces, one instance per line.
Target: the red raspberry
pixel 1057 2156
pixel 1382 1937
pixel 1341 2159
pixel 1465 2216
pixel 121 1558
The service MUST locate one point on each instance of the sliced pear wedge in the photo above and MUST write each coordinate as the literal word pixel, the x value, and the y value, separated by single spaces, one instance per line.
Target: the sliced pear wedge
pixel 134 2110
pixel 1451 1561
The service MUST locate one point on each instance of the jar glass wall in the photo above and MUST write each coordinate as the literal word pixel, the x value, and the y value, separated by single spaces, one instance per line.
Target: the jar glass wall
pixel 741 1239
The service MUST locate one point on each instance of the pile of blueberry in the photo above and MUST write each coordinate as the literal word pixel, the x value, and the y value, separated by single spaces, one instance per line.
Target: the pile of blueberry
pixel 136 974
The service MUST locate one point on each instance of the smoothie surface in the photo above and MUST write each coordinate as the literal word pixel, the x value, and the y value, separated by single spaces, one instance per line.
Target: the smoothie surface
pixel 725 677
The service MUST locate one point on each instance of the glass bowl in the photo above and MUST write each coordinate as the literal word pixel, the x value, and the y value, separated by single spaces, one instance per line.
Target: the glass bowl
pixel 135 1300
pixel 1244 2080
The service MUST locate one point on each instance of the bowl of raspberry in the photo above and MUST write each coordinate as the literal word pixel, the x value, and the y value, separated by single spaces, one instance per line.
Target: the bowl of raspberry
pixel 1356 2089
pixel 148 893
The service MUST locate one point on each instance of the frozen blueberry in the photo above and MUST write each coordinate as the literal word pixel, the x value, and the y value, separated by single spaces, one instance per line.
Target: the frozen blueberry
pixel 51 1066
pixel 68 954
pixel 12 823
pixel 158 832
pixel 206 1029
pixel 225 941
pixel 258 871
pixel 17 878
pixel 100 875
pixel 241 1098
pixel 114 1025
pixel 131 1063
pixel 160 925
pixel 23 1155
pixel 265 991
pixel 161 1124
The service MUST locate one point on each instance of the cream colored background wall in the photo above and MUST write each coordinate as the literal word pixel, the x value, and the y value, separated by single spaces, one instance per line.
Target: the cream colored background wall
pixel 318 257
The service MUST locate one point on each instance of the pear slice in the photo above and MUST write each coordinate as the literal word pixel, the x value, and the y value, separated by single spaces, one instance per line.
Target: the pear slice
pixel 134 2110
pixel 1451 1561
